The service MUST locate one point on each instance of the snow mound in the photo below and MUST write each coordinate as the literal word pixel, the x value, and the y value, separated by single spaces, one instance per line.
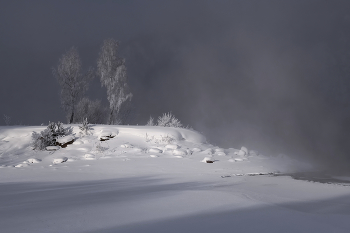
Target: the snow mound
pixel 126 145
pixel 208 151
pixel 154 156
pixel 33 160
pixel 108 133
pixel 60 160
pixel 239 159
pixel 220 153
pixel 219 150
pixel 172 147
pixel 78 142
pixel 155 150
pixel 240 153
pixel 179 152
pixel 90 157
pixel 137 150
pixel 132 144
pixel 22 165
pixel 65 139
pixel 196 149
pixel 244 149
pixel 253 153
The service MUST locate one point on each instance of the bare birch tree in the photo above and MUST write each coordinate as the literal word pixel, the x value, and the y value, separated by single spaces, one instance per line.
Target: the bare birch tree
pixel 112 72
pixel 73 83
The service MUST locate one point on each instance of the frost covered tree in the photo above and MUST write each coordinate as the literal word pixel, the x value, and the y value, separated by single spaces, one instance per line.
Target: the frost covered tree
pixel 73 83
pixel 93 111
pixel 112 72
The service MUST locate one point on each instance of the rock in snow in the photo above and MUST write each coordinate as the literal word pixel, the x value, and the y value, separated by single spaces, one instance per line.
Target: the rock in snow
pixel 107 134
pixel 208 160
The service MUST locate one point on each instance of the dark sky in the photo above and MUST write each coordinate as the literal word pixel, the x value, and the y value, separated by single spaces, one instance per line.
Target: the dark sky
pixel 270 75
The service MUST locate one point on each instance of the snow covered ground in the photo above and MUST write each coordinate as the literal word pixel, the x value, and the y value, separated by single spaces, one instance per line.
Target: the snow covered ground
pixel 156 179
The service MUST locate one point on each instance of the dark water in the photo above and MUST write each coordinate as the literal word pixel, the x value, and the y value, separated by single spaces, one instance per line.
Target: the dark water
pixel 319 177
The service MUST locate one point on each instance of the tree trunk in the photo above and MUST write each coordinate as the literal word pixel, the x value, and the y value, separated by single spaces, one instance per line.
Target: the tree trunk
pixel 71 118
pixel 111 117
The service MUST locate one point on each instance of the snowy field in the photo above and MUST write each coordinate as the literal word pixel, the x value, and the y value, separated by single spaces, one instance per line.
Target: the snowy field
pixel 157 179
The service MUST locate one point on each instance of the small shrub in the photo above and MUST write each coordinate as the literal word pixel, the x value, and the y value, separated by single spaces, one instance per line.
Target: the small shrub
pixel 150 121
pixel 7 120
pixel 166 139
pixel 48 136
pixel 99 148
pixel 169 120
pixel 85 127
pixel 163 139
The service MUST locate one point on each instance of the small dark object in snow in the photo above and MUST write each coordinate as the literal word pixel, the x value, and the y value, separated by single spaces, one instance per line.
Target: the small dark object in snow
pixel 105 138
pixel 260 174
pixel 209 161
pixel 251 174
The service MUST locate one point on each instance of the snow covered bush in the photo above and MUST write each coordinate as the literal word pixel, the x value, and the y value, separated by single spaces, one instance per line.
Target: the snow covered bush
pixel 43 139
pixel 48 136
pixel 169 120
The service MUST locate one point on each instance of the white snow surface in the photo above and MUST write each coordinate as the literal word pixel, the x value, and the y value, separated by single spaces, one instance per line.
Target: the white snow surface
pixel 111 186
pixel 52 148
pixel 65 139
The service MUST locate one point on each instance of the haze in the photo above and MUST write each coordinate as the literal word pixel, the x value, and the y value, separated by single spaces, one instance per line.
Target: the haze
pixel 269 75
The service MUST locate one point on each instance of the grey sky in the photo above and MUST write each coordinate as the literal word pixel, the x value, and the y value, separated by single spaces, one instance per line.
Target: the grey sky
pixel 271 75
